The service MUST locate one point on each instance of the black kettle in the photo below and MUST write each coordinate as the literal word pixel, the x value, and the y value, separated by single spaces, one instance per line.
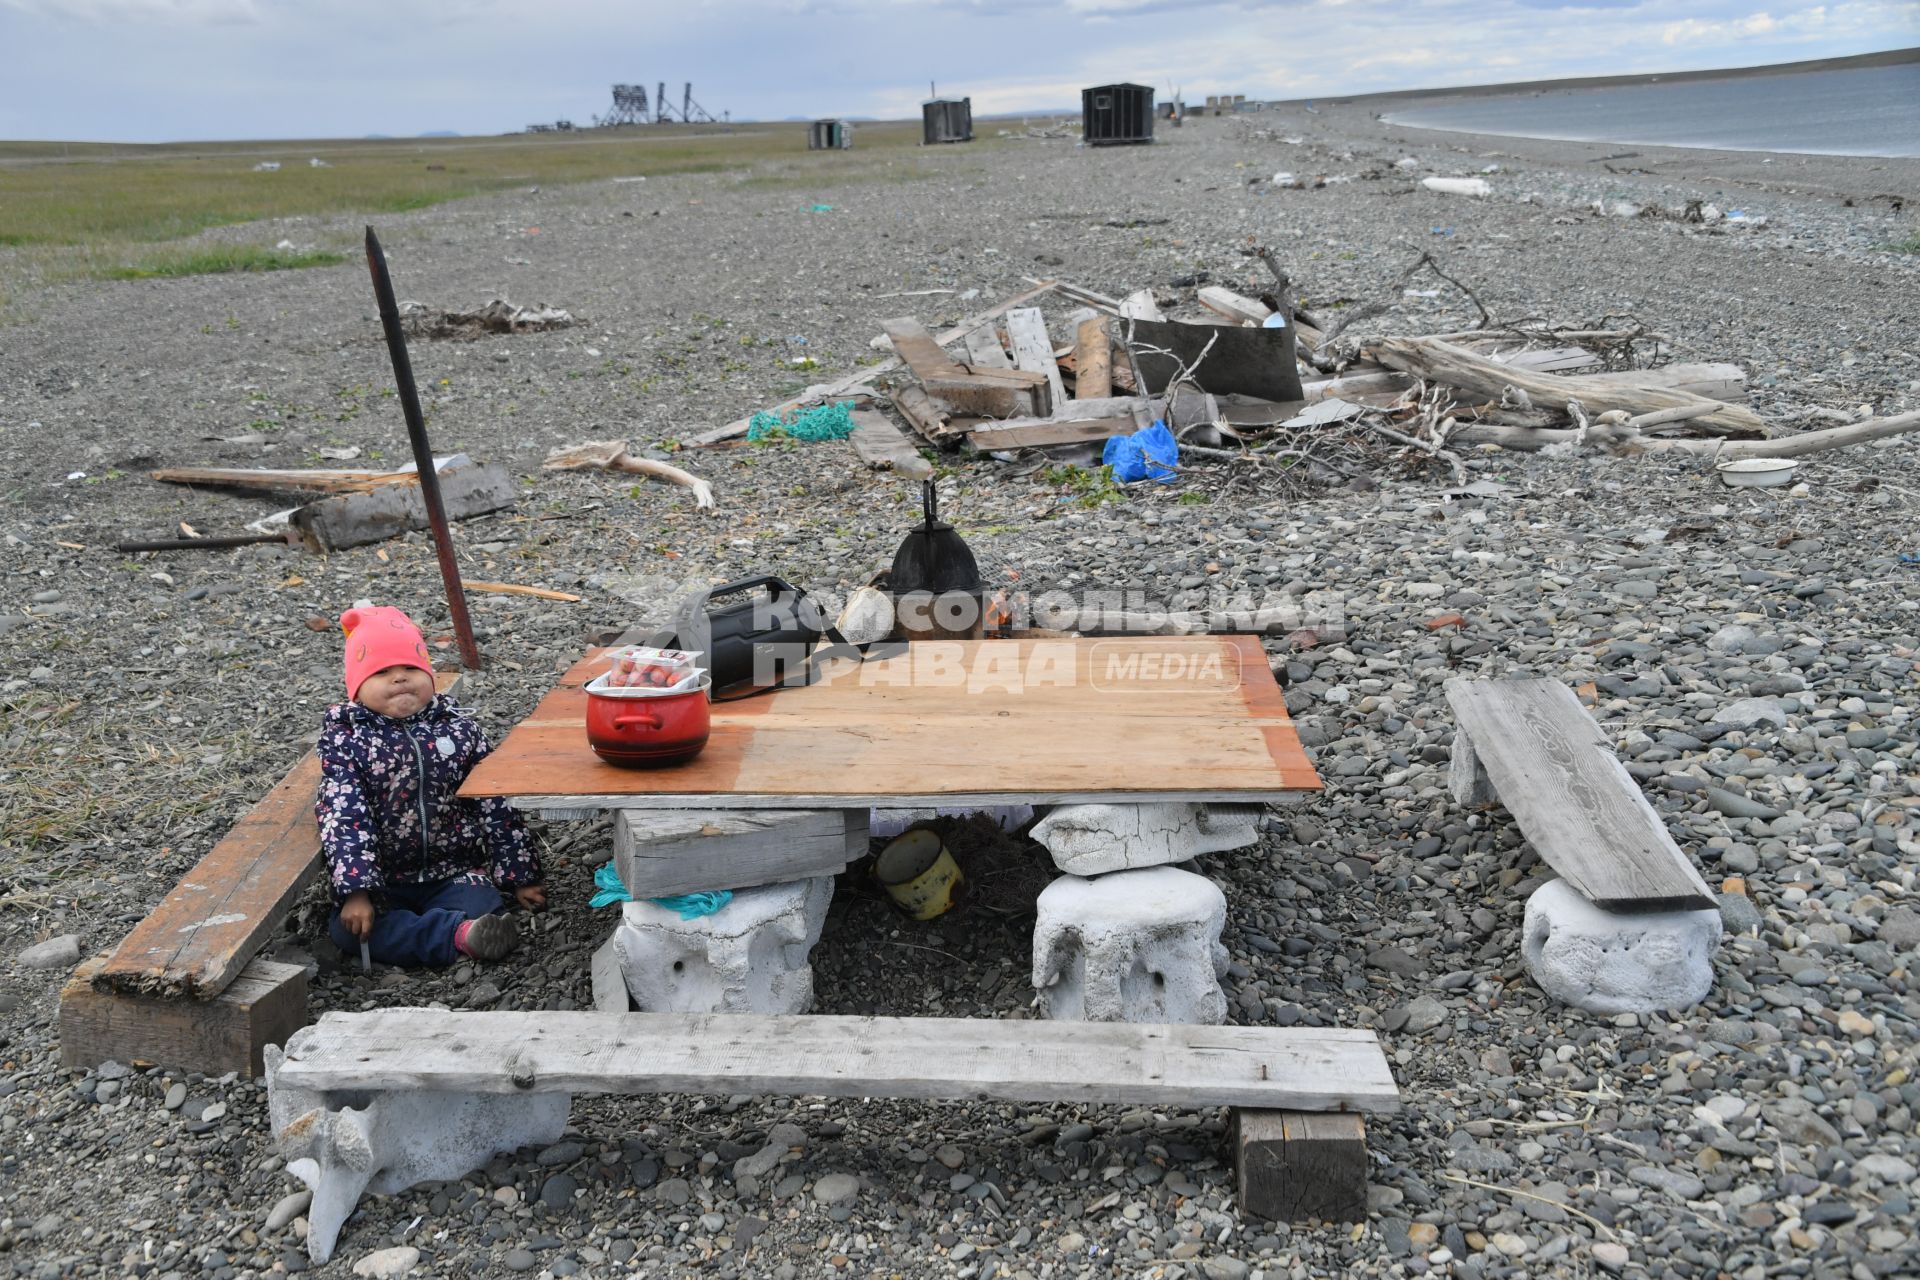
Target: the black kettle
pixel 934 557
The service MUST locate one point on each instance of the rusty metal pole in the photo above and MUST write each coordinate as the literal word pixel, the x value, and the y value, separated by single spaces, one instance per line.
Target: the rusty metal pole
pixel 422 454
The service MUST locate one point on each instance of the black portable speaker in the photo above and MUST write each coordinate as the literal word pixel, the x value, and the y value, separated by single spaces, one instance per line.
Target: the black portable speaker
pixel 756 633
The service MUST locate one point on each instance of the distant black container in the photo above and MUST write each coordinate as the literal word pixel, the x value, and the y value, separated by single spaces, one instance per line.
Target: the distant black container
pixel 946 120
pixel 1112 114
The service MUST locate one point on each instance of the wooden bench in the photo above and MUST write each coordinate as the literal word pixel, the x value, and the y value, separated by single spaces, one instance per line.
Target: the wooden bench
pixel 1531 746
pixel 1298 1093
pixel 172 991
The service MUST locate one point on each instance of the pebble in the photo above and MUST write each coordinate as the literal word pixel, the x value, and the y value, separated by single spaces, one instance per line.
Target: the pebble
pixel 836 1188
pixel 287 1208
pixel 386 1264
pixel 519 1260
pixel 55 953
pixel 1611 1257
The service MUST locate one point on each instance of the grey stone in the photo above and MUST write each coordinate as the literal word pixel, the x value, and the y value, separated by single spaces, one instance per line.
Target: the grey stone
pixel 55 953
pixel 1737 913
pixel 1671 1181
pixel 557 1192
pixel 519 1260
pixel 1734 805
pixel 387 1264
pixel 836 1188
pixel 287 1208
pixel 1424 1013
pixel 1751 711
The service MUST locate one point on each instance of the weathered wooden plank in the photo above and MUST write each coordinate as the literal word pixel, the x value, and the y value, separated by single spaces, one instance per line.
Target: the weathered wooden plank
pixel 1234 306
pixel 661 854
pixel 950 1059
pixel 264 1005
pixel 1140 305
pixel 1292 1165
pixel 923 415
pixel 882 447
pixel 609 980
pixel 1093 360
pixel 1014 717
pixel 1724 382
pixel 1573 800
pixel 1033 349
pixel 217 918
pixel 355 519
pixel 281 481
pixel 1039 433
pixel 985 352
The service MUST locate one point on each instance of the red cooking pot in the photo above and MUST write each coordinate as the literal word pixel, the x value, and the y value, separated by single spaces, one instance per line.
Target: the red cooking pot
pixel 647 728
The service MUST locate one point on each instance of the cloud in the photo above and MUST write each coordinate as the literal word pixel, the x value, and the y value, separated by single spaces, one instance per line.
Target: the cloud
pixel 137 12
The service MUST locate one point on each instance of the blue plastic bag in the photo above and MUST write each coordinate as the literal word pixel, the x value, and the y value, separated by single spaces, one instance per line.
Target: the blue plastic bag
pixel 1149 452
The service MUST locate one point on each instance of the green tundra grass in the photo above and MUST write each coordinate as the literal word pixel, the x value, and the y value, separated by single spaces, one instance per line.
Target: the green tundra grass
pixel 105 210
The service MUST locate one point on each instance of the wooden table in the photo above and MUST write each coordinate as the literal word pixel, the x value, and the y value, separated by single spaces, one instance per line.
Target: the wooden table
pixel 1035 721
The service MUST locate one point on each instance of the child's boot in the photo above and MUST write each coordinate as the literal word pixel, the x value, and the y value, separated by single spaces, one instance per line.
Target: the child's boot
pixel 487 937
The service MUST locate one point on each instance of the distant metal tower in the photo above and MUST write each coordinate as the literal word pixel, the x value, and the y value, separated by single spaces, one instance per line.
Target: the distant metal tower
pixel 691 111
pixel 629 106
pixel 662 113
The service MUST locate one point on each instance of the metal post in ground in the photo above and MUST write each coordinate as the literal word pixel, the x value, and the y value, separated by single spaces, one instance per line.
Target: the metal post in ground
pixel 422 454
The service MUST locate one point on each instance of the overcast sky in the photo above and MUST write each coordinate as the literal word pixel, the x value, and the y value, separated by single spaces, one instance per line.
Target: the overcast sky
pixel 161 70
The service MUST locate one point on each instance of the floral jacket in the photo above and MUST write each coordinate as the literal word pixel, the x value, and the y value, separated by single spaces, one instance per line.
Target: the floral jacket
pixel 387 809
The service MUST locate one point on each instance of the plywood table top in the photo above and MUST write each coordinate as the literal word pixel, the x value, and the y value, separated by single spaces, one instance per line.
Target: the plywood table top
pixel 1052 721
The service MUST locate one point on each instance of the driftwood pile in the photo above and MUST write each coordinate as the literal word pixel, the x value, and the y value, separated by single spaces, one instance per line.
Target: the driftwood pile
pixel 1340 408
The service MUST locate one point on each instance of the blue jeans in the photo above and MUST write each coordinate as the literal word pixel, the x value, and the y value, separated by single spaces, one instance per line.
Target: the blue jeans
pixel 416 922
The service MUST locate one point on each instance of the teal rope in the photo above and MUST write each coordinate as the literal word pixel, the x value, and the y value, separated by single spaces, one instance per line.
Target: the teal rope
pixel 828 422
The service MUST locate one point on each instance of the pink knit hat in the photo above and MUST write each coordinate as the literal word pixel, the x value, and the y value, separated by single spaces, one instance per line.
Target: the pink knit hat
pixel 378 638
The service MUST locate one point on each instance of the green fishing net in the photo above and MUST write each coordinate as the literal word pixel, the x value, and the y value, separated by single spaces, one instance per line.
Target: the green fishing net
pixel 828 422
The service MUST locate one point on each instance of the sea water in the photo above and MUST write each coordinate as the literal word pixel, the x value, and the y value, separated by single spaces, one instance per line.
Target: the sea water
pixel 1863 111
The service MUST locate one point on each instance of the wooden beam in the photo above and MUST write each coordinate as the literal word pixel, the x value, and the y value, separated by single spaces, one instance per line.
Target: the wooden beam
pixel 1093 360
pixel 882 447
pixel 1234 306
pixel 984 350
pixel 1457 367
pixel 1033 349
pixel 923 415
pixel 1292 1166
pixel 660 854
pixel 1571 797
pixel 1039 433
pixel 203 933
pixel 993 393
pixel 946 1059
pixel 264 1005
pixel 282 481
pixel 355 519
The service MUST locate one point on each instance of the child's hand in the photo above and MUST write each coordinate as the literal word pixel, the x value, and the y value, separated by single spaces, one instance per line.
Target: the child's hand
pixel 356 914
pixel 531 896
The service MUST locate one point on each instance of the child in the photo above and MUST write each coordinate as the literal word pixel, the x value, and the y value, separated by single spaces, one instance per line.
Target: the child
pixel 413 868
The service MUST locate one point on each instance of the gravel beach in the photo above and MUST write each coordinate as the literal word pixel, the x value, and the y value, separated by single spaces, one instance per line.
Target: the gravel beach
pixel 146 701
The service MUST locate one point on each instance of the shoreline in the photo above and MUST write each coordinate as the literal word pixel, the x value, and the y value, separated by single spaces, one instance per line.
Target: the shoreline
pixel 1839 177
pixel 1641 142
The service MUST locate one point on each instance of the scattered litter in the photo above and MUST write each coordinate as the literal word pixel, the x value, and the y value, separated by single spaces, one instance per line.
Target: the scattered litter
pixel 1458 186
pixel 315 162
pixel 497 316
pixel 827 422
pixel 331 454
pixel 1150 452
pixel 267 166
